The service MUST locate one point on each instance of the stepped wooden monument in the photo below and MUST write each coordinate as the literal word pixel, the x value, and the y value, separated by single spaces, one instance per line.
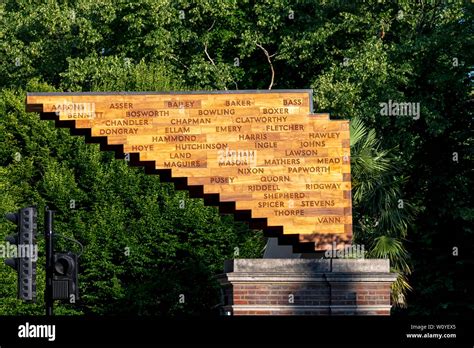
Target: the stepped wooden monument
pixel 262 155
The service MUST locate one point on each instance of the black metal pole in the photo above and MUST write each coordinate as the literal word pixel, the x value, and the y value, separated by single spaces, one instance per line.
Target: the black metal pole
pixel 48 236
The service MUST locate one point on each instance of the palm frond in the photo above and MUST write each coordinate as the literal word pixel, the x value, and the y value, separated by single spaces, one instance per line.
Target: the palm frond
pixel 399 289
pixel 393 249
pixel 357 131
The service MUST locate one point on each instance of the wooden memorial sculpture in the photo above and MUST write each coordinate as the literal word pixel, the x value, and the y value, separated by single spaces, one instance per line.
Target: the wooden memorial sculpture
pixel 262 155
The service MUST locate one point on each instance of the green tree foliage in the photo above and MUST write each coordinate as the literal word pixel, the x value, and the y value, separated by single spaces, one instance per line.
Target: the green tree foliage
pixel 355 55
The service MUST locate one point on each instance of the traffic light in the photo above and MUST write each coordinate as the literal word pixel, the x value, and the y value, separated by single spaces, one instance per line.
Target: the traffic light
pixel 65 282
pixel 25 251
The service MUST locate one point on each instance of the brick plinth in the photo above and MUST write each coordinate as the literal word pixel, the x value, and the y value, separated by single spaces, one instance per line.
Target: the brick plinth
pixel 307 287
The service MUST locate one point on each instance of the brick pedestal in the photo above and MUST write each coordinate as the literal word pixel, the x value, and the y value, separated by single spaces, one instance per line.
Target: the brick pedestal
pixel 307 287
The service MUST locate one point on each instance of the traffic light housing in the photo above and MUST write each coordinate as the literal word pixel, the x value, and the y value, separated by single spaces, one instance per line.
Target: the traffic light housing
pixel 25 253
pixel 65 271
